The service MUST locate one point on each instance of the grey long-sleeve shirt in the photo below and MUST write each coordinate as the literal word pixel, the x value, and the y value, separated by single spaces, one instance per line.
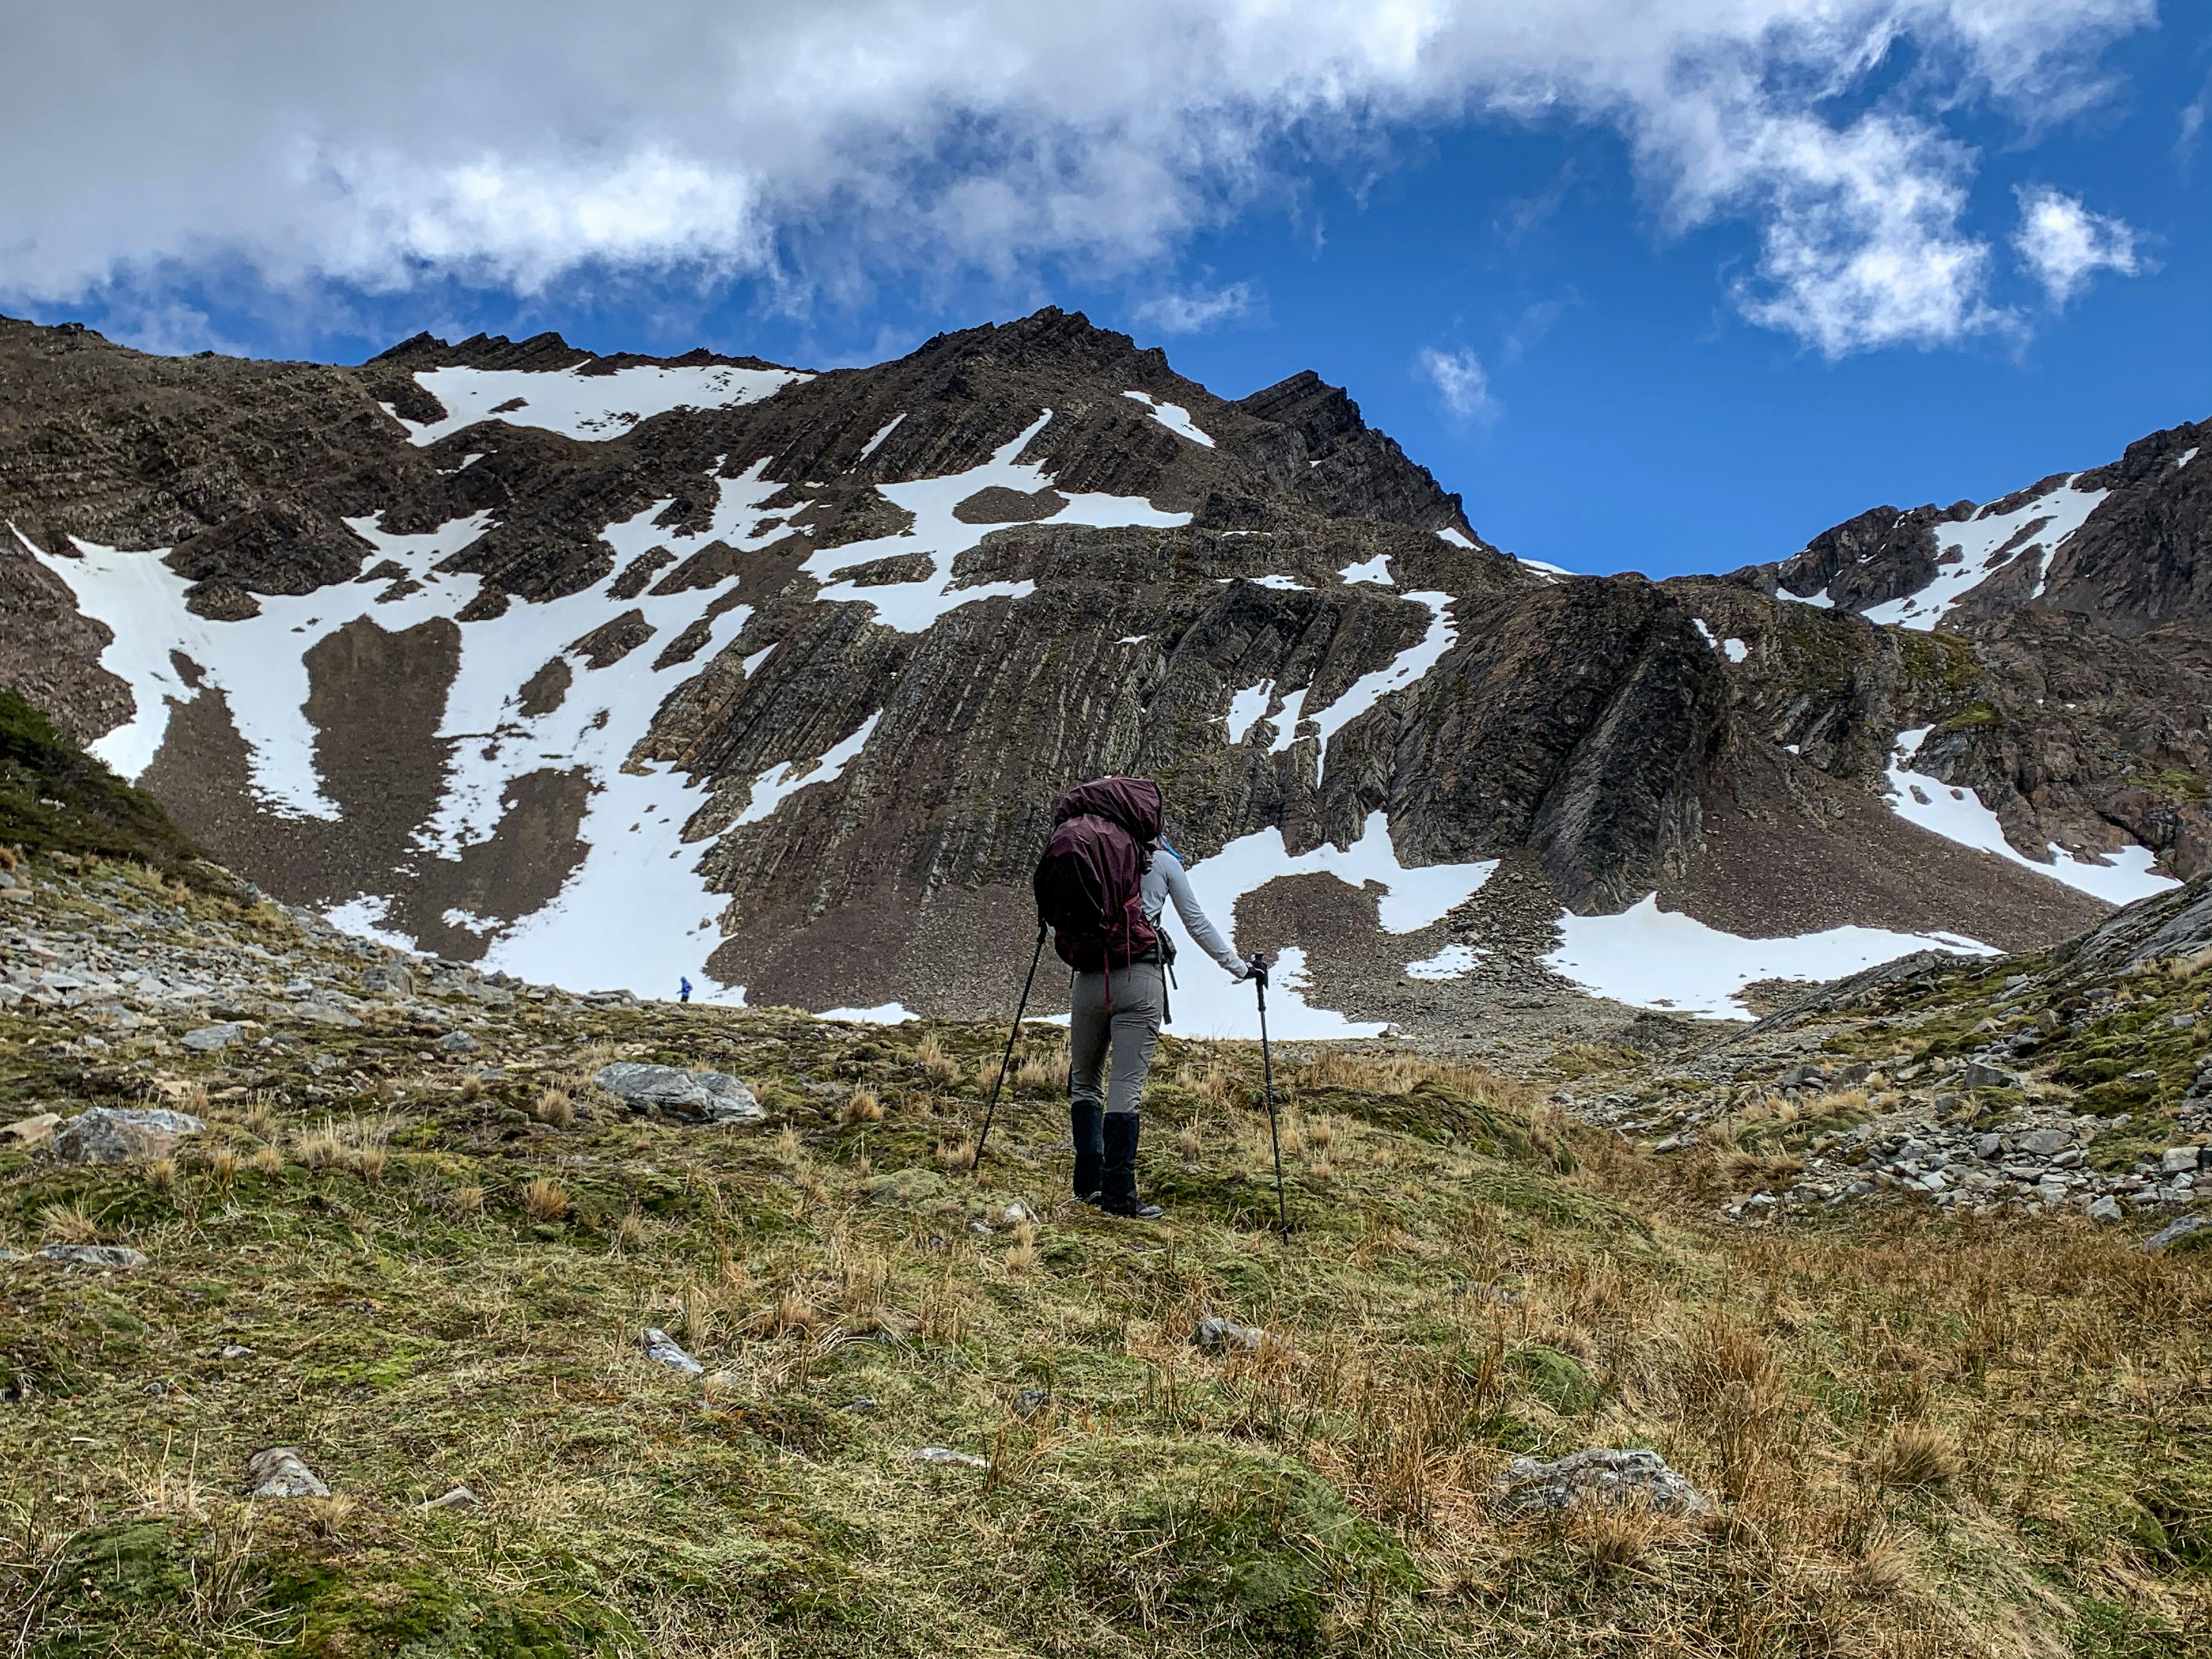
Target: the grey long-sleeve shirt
pixel 1167 879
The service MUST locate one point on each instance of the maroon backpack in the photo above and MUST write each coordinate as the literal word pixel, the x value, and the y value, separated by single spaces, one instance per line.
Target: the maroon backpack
pixel 1088 882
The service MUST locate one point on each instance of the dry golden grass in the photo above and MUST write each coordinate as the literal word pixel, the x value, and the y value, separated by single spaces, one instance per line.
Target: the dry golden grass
pixel 223 1165
pixel 861 1106
pixel 1042 1073
pixel 957 1154
pixel 465 1200
pixel 632 1232
pixel 545 1200
pixel 159 1174
pixel 321 1149
pixel 938 1066
pixel 472 1087
pixel 66 1224
pixel 786 1147
pixel 266 1160
pixel 260 1118
pixel 554 1106
pixel 1911 1455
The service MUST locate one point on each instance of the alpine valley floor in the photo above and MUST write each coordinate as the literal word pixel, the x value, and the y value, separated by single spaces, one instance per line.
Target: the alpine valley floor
pixel 941 1411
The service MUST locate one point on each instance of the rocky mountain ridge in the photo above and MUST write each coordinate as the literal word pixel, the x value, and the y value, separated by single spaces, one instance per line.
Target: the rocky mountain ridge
pixel 621 668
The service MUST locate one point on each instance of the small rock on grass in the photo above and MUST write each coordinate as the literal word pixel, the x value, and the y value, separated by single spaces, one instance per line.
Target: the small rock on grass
pixel 703 1097
pixel 1219 1335
pixel 907 1186
pixel 1600 1476
pixel 2173 1232
pixel 459 1498
pixel 944 1457
pixel 278 1473
pixel 209 1038
pixel 108 1135
pixel 94 1256
pixel 459 1042
pixel 660 1347
pixel 2105 1209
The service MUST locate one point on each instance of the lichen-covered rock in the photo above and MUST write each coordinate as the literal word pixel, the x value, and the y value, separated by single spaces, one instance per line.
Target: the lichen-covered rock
pixel 702 1097
pixel 1602 1475
pixel 94 1256
pixel 278 1471
pixel 1219 1335
pixel 210 1039
pixel 109 1134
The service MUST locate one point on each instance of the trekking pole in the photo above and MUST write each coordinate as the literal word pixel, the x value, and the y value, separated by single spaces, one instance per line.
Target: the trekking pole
pixel 1007 1059
pixel 1268 1072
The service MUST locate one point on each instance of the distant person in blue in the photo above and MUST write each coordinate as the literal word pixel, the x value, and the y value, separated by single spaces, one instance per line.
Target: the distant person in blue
pixel 683 988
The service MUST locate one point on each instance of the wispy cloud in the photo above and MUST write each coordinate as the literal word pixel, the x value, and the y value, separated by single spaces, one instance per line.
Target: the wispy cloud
pixel 1195 310
pixel 819 146
pixel 2064 245
pixel 1461 382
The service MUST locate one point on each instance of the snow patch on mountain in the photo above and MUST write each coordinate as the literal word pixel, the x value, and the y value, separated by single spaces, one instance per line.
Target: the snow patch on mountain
pixel 1958 815
pixel 1246 708
pixel 1452 961
pixel 1647 958
pixel 591 407
pixel 1174 416
pixel 260 664
pixel 913 607
pixel 1969 554
pixel 776 785
pixel 1210 1004
pixel 1377 570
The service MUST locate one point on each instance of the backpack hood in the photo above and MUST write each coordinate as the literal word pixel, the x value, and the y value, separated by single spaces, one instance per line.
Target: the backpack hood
pixel 1132 802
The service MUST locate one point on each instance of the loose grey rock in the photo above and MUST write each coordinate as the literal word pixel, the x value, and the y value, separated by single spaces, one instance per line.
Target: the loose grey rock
pixel 2177 1160
pixel 1599 1475
pixel 1980 1074
pixel 278 1473
pixel 1218 1336
pixel 94 1256
pixel 236 1351
pixel 702 1097
pixel 1029 1402
pixel 2105 1209
pixel 2173 1232
pixel 2042 1143
pixel 209 1038
pixel 944 1457
pixel 326 1013
pixel 660 1347
pixel 459 1042
pixel 389 978
pixel 109 1134
pixel 459 1498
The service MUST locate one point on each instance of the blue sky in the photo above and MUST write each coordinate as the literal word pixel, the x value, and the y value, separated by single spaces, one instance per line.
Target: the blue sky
pixel 1693 302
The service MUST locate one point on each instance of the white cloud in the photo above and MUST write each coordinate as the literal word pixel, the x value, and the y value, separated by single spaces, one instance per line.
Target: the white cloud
pixel 1194 310
pixel 1458 380
pixel 390 144
pixel 2065 243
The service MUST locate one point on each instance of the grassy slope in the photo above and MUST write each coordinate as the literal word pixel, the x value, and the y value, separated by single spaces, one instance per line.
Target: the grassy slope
pixel 1925 1439
pixel 54 798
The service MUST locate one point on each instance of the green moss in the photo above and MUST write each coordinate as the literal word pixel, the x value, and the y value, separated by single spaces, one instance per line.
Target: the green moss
pixel 1936 661
pixel 1556 1379
pixel 2172 784
pixel 1979 714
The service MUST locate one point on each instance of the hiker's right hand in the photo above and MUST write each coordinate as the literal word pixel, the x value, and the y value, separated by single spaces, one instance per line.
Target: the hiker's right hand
pixel 1256 969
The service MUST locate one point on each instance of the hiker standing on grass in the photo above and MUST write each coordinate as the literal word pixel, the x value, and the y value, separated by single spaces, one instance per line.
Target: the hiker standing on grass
pixel 1102 887
pixel 683 988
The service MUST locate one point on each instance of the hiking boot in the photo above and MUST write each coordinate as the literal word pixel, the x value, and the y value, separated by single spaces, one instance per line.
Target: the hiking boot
pixel 1120 1171
pixel 1083 1118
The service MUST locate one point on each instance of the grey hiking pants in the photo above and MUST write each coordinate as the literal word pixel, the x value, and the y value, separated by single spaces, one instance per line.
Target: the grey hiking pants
pixel 1132 1029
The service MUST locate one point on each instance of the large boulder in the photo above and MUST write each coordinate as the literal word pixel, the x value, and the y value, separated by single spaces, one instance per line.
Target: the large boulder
pixel 109 1134
pixel 702 1097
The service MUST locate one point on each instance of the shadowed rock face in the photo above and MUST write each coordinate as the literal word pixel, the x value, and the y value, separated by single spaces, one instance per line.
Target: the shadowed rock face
pixel 1588 730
